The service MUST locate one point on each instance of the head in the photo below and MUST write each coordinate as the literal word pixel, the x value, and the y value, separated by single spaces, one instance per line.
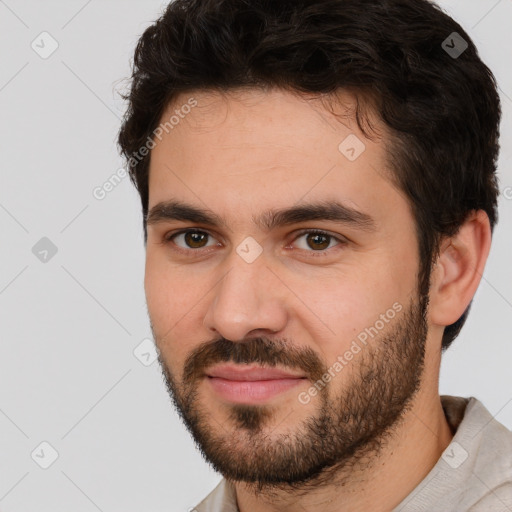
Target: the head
pixel 267 116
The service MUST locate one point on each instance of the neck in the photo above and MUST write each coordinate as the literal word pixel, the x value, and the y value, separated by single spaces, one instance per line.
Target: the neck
pixel 378 481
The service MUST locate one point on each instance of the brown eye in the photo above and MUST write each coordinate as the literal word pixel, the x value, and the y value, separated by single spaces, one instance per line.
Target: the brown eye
pixel 195 239
pixel 317 241
pixel 189 239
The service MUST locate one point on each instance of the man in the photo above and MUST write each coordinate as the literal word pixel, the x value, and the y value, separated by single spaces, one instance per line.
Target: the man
pixel 318 185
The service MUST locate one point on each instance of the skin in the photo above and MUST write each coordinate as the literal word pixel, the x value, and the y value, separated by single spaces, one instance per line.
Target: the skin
pixel 244 152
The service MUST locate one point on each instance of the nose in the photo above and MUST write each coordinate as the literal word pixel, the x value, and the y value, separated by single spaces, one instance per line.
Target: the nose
pixel 248 301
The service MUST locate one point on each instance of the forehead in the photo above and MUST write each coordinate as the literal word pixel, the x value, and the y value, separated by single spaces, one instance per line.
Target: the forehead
pixel 253 150
pixel 258 118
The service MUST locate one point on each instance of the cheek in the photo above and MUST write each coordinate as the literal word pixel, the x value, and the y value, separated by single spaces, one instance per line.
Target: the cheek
pixel 171 296
pixel 166 286
pixel 343 305
pixel 158 291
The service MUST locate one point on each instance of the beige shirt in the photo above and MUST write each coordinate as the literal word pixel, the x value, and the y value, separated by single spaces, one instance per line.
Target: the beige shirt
pixel 474 473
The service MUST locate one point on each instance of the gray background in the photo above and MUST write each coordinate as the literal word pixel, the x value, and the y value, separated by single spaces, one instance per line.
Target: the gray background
pixel 70 323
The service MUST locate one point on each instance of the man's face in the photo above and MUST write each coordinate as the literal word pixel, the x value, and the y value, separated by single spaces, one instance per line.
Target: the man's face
pixel 286 351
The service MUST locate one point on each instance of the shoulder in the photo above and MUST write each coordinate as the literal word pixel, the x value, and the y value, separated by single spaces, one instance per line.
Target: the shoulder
pixel 474 473
pixel 221 499
pixel 483 469
pixel 498 499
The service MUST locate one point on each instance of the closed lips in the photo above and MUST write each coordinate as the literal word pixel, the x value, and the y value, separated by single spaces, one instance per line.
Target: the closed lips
pixel 250 374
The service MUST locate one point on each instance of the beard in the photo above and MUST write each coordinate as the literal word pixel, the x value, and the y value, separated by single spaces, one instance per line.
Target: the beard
pixel 347 427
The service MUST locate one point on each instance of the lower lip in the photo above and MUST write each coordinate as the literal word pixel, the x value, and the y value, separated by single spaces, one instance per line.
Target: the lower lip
pixel 256 391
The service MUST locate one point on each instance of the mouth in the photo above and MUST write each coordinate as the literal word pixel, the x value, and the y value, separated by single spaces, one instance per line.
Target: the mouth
pixel 251 384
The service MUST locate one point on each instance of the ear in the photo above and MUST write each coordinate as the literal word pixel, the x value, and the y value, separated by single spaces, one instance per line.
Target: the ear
pixel 458 269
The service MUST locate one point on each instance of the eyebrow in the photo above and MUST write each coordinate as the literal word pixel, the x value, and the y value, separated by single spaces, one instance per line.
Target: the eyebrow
pixel 267 221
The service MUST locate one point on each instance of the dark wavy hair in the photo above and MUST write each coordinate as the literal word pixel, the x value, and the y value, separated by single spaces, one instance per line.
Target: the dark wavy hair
pixel 441 112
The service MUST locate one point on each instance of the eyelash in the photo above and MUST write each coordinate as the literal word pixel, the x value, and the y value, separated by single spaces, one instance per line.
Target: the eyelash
pixel 168 239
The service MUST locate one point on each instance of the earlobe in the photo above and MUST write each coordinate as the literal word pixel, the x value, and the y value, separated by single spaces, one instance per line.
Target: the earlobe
pixel 459 269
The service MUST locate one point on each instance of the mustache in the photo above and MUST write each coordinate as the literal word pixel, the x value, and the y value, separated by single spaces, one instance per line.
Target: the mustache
pixel 254 350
